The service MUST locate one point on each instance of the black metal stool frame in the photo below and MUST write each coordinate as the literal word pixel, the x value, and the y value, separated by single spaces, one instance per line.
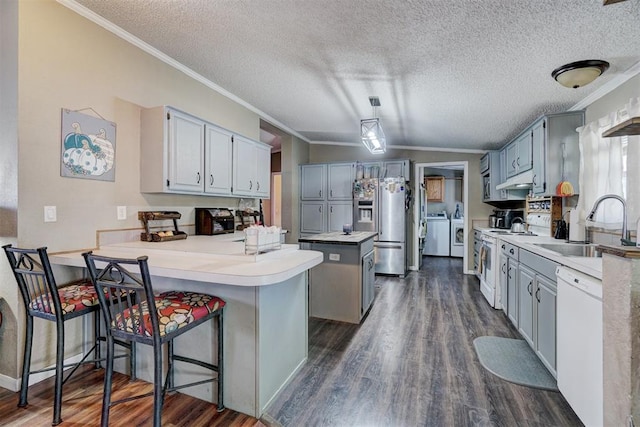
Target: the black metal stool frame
pixel 34 275
pixel 114 278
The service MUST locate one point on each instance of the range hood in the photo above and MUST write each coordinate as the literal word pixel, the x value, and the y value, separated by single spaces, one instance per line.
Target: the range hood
pixel 521 181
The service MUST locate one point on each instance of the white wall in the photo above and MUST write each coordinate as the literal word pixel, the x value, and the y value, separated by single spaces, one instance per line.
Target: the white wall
pixel 89 67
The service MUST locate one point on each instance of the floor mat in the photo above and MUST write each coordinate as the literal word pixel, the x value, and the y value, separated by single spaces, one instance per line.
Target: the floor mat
pixel 514 361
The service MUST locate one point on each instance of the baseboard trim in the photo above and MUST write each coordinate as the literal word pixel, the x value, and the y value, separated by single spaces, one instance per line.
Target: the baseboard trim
pixel 13 384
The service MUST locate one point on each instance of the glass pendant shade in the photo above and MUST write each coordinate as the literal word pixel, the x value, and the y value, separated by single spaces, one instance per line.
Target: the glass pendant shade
pixel 372 136
pixel 578 74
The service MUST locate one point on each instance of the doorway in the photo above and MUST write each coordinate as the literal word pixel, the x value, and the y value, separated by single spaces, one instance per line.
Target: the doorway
pixel 418 213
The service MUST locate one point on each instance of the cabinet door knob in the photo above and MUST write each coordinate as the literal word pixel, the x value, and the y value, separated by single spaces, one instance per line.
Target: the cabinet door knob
pixel 320 209
pixel 538 294
pixel 257 185
pixel 518 161
pixel 331 209
pixel 319 193
pixel 250 184
pixel 211 179
pixel 530 287
pixel 534 180
pixel 511 251
pixel 198 176
pixel 330 193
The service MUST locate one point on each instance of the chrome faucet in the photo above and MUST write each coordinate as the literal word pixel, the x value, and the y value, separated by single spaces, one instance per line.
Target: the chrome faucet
pixel 626 234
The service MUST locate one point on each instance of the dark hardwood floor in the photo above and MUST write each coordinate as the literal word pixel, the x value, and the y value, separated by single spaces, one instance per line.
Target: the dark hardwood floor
pixel 82 404
pixel 412 363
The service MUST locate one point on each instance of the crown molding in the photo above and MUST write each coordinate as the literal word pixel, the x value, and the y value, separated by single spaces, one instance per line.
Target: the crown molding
pixel 111 27
pixel 608 87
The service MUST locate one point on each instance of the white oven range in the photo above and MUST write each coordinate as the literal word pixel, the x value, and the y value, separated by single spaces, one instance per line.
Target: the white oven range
pixel 489 270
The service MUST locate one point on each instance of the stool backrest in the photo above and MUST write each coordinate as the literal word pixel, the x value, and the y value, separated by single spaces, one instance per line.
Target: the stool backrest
pixel 38 288
pixel 125 294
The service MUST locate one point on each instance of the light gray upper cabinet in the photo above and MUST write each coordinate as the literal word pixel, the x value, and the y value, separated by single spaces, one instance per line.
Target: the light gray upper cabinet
pixel 395 168
pixel 340 180
pixel 313 182
pixel 326 197
pixel 251 168
pixel 556 151
pixel 171 151
pixel 491 176
pixel 537 142
pixel 180 153
pixel 219 157
pixel 519 155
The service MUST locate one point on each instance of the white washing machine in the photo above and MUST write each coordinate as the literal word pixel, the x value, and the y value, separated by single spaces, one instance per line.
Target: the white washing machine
pixel 457 237
pixel 437 239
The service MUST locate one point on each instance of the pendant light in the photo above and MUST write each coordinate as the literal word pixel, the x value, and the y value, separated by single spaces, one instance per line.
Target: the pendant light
pixel 371 132
pixel 581 73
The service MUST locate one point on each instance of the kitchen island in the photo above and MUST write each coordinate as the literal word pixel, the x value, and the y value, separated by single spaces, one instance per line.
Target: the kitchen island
pixel 265 319
pixel 341 288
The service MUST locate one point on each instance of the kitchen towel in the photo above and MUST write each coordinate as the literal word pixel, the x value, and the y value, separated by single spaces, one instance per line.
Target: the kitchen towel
pixel 576 231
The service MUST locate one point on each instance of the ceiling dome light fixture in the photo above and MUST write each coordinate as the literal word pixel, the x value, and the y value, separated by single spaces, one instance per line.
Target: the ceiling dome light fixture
pixel 581 73
pixel 371 131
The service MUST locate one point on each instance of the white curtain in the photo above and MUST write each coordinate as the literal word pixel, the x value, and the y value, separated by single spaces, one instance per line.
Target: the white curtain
pixel 610 166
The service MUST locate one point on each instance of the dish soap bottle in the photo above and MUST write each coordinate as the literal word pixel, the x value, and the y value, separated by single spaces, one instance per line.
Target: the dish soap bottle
pixel 456 215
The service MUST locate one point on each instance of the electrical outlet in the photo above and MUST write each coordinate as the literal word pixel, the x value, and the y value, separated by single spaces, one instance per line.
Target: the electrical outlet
pixel 334 257
pixel 50 214
pixel 122 213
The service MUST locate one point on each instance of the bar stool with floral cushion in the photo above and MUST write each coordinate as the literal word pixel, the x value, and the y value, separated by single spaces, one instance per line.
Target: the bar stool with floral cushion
pixel 173 313
pixel 43 298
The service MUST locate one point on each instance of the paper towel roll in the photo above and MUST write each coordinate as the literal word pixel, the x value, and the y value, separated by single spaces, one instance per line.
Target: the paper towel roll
pixel 576 228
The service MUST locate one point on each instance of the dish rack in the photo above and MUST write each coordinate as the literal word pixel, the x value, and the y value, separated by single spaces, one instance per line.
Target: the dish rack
pixel 160 236
pixel 261 239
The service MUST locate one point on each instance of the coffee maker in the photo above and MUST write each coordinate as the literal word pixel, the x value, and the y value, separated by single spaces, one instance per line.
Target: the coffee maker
pixel 505 217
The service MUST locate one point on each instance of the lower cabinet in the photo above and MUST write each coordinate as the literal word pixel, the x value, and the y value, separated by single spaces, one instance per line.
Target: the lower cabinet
pixel 537 305
pixel 526 279
pixel 513 267
pixel 508 279
pixel 368 281
pixel 546 296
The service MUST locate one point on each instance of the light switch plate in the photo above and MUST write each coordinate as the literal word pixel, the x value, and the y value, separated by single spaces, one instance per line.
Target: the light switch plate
pixel 122 213
pixel 50 214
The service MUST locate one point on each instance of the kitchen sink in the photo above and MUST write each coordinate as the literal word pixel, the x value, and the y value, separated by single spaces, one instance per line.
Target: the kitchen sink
pixel 571 249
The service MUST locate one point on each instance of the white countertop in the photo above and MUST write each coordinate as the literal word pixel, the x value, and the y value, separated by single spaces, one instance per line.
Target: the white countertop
pixel 214 259
pixel 591 266
pixel 337 237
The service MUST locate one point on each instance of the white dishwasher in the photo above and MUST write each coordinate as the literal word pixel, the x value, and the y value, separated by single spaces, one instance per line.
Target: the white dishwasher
pixel 579 344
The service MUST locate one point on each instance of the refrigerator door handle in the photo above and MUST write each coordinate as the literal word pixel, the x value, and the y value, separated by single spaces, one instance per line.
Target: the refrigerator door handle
pixel 387 246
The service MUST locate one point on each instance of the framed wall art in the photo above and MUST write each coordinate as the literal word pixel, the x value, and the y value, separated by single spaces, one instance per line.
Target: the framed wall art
pixel 88 148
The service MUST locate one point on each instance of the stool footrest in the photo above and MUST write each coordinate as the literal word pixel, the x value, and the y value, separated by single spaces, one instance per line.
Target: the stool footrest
pixel 196 362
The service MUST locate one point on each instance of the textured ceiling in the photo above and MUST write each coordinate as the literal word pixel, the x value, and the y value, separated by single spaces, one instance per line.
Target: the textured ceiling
pixel 462 74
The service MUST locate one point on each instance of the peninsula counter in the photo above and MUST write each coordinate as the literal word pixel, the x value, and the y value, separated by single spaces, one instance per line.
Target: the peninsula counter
pixel 265 319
